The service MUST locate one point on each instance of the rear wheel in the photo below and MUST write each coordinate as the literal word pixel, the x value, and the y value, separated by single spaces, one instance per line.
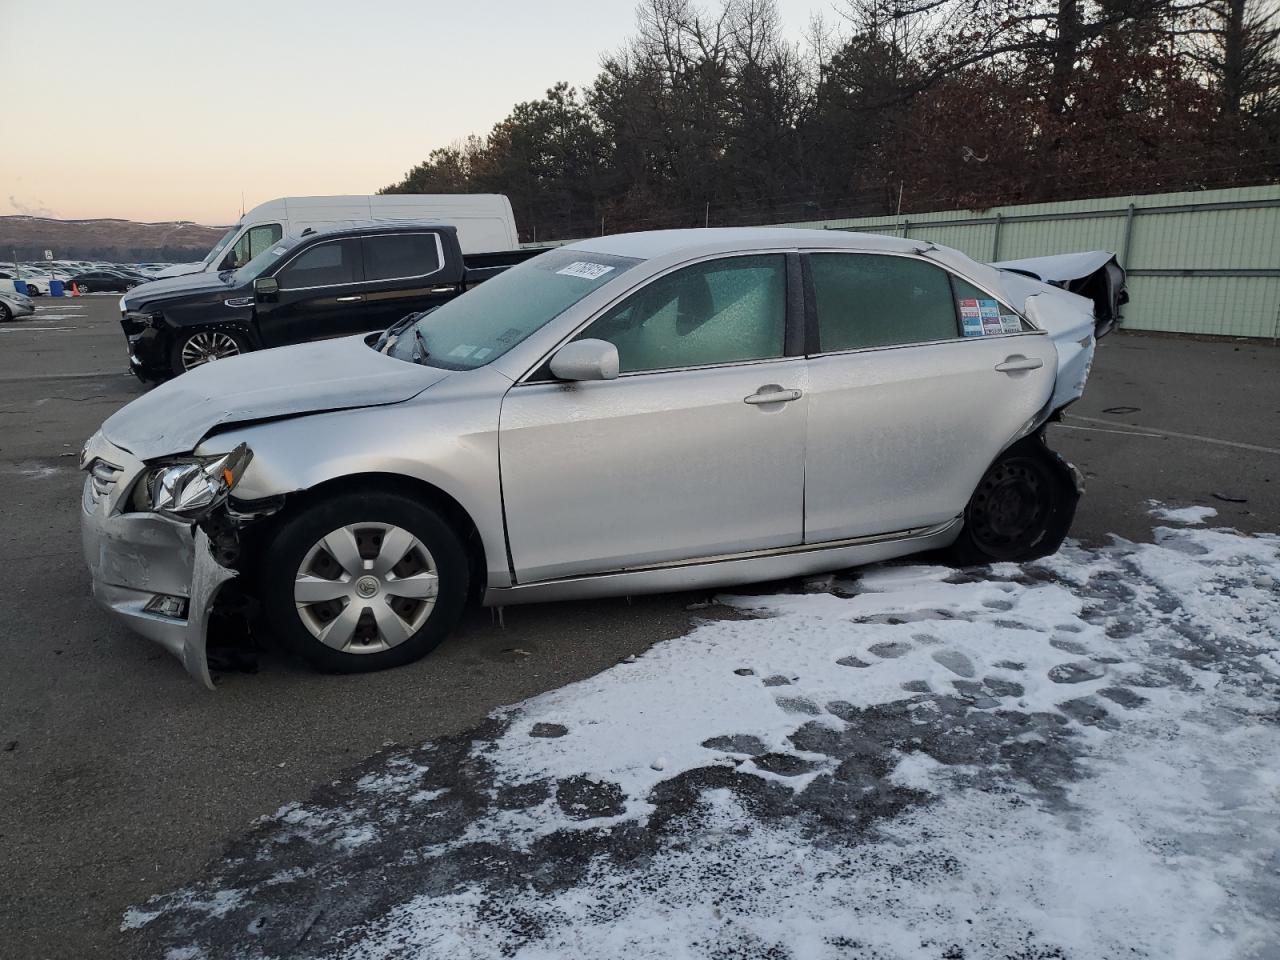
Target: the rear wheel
pixel 5 313
pixel 83 287
pixel 1021 510
pixel 363 582
pixel 195 349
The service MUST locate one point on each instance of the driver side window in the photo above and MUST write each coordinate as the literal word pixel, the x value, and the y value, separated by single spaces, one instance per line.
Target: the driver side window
pixel 720 311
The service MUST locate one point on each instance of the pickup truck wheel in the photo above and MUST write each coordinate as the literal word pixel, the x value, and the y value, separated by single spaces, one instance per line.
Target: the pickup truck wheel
pixel 195 349
pixel 363 582
pixel 1021 510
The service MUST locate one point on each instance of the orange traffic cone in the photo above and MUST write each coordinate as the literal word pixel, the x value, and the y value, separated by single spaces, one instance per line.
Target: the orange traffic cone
pixel 75 289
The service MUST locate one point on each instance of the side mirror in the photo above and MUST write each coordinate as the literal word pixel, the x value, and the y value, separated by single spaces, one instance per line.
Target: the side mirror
pixel 266 290
pixel 586 360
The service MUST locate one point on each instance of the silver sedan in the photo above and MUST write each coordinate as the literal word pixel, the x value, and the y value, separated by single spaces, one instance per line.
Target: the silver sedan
pixel 646 412
pixel 14 305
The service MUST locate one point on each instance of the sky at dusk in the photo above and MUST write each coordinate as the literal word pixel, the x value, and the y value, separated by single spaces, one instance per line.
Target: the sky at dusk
pixel 151 110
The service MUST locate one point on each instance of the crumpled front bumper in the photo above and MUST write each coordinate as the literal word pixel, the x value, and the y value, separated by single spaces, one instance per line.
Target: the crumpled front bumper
pixel 134 557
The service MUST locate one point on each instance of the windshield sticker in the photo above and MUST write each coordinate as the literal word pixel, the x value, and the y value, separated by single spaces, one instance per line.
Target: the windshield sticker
pixel 277 251
pixel 585 270
pixel 482 353
pixel 462 350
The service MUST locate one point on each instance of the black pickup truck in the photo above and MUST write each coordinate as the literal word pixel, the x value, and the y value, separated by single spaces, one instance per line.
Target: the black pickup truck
pixel 350 280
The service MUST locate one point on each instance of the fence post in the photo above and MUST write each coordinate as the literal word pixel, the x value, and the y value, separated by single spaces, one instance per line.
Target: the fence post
pixel 906 225
pixel 995 241
pixel 1128 236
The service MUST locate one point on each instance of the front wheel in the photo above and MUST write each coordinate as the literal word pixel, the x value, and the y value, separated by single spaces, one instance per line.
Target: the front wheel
pixel 365 581
pixel 195 349
pixel 1021 510
pixel 5 313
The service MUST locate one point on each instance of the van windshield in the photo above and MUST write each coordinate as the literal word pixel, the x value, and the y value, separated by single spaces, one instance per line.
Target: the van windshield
pixel 487 321
pixel 220 246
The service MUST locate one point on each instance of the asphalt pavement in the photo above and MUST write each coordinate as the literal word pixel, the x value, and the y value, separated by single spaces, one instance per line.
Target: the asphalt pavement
pixel 120 777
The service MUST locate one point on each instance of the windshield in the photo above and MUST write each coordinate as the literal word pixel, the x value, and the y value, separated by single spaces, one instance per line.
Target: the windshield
pixel 487 321
pixel 220 246
pixel 259 265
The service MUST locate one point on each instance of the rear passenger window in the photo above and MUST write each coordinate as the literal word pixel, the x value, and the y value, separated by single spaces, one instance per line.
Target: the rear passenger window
pixel 982 315
pixel 869 300
pixel 324 265
pixel 399 256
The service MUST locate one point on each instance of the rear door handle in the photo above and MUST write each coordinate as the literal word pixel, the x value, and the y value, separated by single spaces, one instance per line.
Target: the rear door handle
pixel 355 299
pixel 1018 362
pixel 772 393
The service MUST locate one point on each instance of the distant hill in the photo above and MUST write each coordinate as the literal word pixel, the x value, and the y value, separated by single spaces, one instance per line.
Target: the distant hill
pixel 124 241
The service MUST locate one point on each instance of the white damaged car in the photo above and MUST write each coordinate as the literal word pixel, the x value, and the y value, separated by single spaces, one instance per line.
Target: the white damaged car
pixel 644 412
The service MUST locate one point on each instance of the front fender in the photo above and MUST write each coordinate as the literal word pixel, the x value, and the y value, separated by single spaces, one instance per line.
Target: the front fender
pixel 446 437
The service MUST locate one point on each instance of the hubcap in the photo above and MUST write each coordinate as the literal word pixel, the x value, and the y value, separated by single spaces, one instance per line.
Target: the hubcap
pixel 205 347
pixel 366 587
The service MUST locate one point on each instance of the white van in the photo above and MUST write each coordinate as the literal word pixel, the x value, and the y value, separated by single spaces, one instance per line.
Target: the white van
pixel 484 221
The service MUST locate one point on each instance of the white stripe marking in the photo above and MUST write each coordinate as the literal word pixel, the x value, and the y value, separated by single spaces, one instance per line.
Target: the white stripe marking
pixel 1157 432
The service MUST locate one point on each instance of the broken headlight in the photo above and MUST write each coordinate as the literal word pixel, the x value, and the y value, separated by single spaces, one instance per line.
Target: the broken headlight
pixel 190 488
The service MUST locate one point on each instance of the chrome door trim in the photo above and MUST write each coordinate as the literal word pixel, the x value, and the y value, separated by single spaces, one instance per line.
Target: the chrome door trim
pixel 358 283
pixel 731 569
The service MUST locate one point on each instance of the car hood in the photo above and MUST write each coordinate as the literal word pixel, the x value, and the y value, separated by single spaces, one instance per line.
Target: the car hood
pixel 180 270
pixel 264 385
pixel 144 294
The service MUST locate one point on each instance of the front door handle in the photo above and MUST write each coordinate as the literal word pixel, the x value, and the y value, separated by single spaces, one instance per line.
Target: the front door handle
pixel 356 299
pixel 1018 362
pixel 772 393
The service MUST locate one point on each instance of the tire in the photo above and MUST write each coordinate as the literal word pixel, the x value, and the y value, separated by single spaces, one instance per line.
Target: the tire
pixel 1021 510
pixel 5 313
pixel 84 287
pixel 310 556
pixel 187 348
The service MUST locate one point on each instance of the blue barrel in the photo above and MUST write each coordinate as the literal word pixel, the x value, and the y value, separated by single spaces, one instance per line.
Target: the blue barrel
pixel 56 287
pixel 20 286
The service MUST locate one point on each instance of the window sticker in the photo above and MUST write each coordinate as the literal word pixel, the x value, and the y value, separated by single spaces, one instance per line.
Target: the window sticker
pixel 585 270
pixel 277 251
pixel 482 353
pixel 982 318
pixel 462 350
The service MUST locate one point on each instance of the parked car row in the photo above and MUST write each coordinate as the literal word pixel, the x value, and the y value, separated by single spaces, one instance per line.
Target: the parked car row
pixel 112 278
pixel 626 414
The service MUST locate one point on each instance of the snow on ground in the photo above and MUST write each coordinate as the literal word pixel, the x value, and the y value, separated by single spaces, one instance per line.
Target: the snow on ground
pixel 1190 516
pixel 1073 759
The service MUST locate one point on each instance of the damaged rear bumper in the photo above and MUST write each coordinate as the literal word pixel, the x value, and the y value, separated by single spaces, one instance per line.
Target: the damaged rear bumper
pixel 157 576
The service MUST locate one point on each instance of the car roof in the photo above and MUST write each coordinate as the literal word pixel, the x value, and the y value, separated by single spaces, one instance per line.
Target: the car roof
pixel 366 227
pixel 656 243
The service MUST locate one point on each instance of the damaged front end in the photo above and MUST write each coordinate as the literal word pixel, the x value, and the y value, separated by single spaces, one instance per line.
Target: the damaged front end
pixel 161 541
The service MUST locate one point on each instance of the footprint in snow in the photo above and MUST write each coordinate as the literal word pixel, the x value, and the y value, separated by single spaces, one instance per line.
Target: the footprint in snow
pixel 890 650
pixel 1077 672
pixel 956 662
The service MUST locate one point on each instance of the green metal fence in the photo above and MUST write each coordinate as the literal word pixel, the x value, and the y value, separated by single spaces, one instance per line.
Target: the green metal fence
pixel 1206 262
